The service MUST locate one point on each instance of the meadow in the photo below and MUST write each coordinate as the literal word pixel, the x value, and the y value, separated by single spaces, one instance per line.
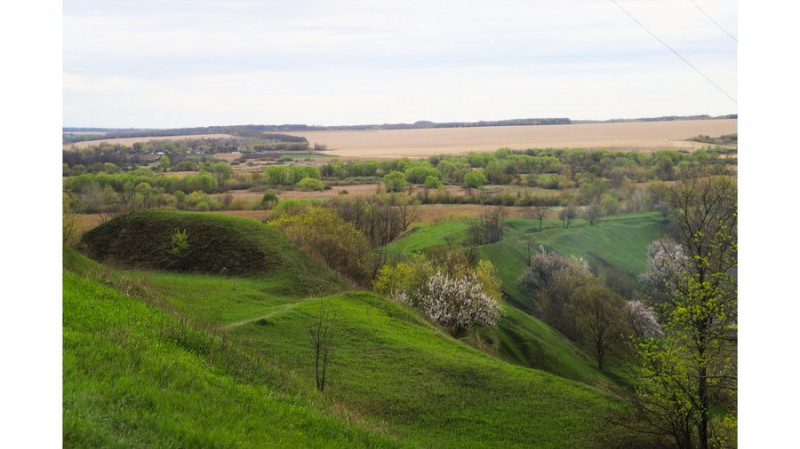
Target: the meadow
pixel 396 379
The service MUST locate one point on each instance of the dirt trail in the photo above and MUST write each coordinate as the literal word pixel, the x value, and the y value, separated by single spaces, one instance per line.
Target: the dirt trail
pixel 250 320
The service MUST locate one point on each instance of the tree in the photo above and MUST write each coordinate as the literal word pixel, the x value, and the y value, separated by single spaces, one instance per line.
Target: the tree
pixel 221 171
pixel 267 201
pixel 552 280
pixel 310 184
pixel 592 213
pixel 322 333
pixel 568 214
pixel 540 213
pixel 609 204
pixel 693 366
pixel 395 181
pixel 489 228
pixel 600 320
pixel 474 179
pixel 446 289
pixel 642 320
pixel 324 234
pixel 163 163
pixel 408 210
pixel 459 303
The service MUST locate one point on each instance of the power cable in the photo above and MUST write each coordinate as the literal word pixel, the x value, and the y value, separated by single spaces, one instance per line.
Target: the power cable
pixel 674 51
pixel 715 22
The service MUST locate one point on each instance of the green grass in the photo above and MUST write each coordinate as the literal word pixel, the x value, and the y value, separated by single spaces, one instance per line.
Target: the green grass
pixel 134 376
pixel 216 244
pixel 429 389
pixel 422 237
pixel 619 241
pixel 160 371
pixel 403 375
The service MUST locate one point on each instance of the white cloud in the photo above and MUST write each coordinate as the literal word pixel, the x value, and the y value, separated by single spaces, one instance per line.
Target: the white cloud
pixel 348 62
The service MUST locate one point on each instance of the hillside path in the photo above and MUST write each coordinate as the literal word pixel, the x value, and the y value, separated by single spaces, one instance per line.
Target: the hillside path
pixel 250 320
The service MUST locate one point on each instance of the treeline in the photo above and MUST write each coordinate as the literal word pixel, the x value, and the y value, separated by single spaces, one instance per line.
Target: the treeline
pixel 142 152
pixel 549 169
pixel 254 131
pixel 665 118
pixel 725 139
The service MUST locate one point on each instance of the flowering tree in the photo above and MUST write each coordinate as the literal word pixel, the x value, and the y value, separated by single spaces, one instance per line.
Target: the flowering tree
pixel 642 320
pixel 458 298
pixel 458 304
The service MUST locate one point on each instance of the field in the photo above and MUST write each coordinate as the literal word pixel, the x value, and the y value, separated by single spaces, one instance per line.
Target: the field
pixel 131 140
pixel 644 136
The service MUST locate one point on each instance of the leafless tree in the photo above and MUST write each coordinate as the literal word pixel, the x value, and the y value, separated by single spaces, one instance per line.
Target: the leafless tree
pixel 322 333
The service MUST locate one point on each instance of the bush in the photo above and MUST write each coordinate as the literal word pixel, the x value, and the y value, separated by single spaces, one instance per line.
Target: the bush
pixel 456 296
pixel 310 184
pixel 338 243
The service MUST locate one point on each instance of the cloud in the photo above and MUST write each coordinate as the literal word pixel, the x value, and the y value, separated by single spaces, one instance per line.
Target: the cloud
pixel 350 58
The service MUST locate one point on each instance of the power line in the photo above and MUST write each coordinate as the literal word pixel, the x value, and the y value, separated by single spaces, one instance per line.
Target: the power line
pixel 715 22
pixel 674 51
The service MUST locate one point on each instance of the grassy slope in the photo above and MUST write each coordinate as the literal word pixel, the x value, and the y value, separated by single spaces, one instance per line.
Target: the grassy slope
pixel 619 241
pixel 401 374
pixel 217 244
pixel 135 377
pixel 393 371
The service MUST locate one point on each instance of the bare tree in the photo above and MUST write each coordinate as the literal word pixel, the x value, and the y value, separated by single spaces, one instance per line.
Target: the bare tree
pixel 540 213
pixel 322 333
pixel 568 214
pixel 592 214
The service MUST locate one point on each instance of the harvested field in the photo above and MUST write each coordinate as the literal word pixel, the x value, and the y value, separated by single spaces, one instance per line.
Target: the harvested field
pixel 643 136
pixel 131 140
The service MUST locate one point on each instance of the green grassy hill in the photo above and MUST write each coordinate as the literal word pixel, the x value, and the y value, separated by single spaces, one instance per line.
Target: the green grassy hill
pixel 393 370
pixel 619 242
pixel 220 361
pixel 215 244
pixel 135 376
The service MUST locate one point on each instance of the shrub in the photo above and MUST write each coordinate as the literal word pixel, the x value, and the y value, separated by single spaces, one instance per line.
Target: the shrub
pixel 310 184
pixel 456 296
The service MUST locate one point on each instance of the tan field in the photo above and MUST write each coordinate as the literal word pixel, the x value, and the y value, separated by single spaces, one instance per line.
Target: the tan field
pixel 644 136
pixel 131 140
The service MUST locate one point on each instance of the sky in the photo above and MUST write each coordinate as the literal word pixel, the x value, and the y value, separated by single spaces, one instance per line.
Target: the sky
pixel 188 63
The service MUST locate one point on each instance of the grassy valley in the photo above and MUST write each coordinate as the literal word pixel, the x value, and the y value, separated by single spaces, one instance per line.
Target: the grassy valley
pixel 203 343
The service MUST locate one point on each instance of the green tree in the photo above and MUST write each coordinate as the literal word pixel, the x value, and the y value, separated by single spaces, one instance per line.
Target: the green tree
pixel 309 184
pixel 693 366
pixel 221 171
pixel 338 243
pixel 395 181
pixel 474 179
pixel 600 320
pixel 163 163
pixel 267 201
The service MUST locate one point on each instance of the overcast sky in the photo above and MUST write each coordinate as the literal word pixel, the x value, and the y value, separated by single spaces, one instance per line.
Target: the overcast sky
pixel 197 63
